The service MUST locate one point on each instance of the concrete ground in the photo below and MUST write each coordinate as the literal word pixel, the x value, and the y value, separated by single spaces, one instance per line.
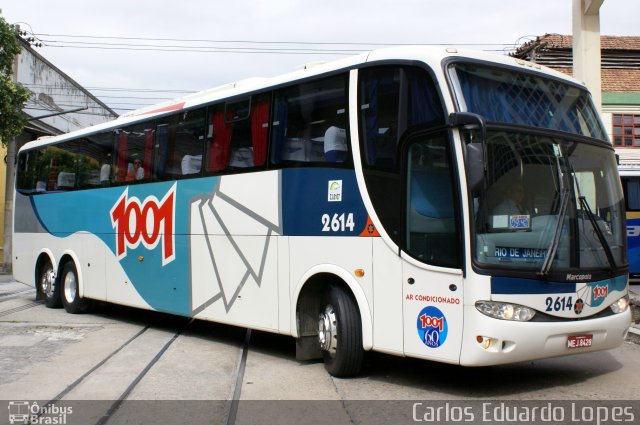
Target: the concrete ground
pixel 118 365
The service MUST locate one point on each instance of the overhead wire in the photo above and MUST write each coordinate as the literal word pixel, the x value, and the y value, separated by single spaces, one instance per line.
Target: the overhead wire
pixel 247 46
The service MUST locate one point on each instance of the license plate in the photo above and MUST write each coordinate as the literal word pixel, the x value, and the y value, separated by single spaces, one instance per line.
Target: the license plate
pixel 579 341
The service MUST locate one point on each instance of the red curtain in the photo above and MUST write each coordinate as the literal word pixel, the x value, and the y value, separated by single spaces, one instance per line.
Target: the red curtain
pixel 219 144
pixel 123 142
pixel 259 131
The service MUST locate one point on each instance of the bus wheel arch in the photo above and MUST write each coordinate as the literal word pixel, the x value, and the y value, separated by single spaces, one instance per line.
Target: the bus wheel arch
pixel 330 323
pixel 69 282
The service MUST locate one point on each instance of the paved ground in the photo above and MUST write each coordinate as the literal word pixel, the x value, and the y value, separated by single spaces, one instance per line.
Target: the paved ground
pixel 120 365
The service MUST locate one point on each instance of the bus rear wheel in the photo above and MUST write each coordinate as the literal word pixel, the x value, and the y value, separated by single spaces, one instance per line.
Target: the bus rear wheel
pixel 340 333
pixel 71 300
pixel 48 285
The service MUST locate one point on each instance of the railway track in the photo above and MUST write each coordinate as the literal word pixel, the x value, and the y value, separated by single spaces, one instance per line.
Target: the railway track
pixel 156 330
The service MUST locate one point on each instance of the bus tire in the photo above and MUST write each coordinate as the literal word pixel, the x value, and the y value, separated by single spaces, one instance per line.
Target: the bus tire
pixel 70 291
pixel 48 285
pixel 340 333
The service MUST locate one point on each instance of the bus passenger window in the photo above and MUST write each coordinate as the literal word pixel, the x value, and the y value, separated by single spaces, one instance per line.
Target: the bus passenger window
pixel 392 100
pixel 134 152
pixel 310 122
pixel 179 145
pixel 237 134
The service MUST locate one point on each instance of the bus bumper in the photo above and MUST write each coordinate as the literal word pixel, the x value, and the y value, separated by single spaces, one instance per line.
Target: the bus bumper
pixel 489 341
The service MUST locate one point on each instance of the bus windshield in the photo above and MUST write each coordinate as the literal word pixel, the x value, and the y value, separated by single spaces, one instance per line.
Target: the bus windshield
pixel 548 204
pixel 507 96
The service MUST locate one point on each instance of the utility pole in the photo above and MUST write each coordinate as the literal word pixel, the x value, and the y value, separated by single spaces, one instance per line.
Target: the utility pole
pixel 586 46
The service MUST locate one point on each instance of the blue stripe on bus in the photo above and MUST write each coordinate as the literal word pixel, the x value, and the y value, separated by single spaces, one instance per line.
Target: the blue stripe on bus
pixel 163 287
pixel 321 202
pixel 633 244
pixel 517 286
pixel 513 286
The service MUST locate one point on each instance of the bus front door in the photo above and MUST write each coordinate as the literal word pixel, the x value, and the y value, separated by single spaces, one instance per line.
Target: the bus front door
pixel 432 275
pixel 433 310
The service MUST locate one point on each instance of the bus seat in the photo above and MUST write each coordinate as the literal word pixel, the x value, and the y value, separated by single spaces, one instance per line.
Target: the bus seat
pixel 335 144
pixel 241 157
pixel 191 164
pixel 431 202
pixel 293 150
pixel 105 173
pixel 66 180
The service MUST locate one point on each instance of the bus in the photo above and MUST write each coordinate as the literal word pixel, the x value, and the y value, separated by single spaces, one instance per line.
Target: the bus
pixel 630 176
pixel 435 203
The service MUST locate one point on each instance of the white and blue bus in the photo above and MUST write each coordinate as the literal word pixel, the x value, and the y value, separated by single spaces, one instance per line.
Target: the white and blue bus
pixel 423 202
pixel 630 176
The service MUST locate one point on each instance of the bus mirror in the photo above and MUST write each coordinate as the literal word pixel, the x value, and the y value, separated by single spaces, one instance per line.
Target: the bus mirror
pixel 475 165
pixel 469 121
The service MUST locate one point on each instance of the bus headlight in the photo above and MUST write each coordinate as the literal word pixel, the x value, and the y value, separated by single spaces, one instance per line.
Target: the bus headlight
pixel 621 305
pixel 505 311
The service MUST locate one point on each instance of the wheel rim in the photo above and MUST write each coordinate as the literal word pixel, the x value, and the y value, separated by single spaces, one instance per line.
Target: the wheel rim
pixel 48 281
pixel 328 330
pixel 70 287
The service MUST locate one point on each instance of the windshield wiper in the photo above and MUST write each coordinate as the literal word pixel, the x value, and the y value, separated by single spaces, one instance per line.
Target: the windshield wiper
pixel 564 201
pixel 553 247
pixel 598 232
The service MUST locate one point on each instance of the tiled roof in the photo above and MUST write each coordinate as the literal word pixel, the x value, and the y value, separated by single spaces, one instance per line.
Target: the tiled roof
pixel 607 42
pixel 621 80
pixel 620 58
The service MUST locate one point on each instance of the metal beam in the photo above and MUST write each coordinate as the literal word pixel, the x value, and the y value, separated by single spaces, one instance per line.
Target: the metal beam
pixel 55 114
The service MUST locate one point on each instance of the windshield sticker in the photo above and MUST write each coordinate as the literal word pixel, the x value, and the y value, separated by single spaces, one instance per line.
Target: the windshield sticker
pixel 504 252
pixel 519 222
pixel 335 191
pixel 432 327
pixel 512 222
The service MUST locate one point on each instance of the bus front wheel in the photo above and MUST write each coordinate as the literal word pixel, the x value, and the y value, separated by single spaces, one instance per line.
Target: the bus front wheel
pixel 71 299
pixel 48 285
pixel 340 333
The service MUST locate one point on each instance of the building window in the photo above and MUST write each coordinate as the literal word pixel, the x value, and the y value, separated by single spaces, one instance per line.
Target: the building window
pixel 626 130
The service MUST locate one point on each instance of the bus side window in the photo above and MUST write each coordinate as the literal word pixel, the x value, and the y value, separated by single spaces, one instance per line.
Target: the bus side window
pixel 310 123
pixel 179 145
pixel 391 100
pixel 30 176
pixel 134 152
pixel 237 134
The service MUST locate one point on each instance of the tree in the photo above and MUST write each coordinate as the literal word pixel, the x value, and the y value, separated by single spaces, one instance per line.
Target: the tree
pixel 12 96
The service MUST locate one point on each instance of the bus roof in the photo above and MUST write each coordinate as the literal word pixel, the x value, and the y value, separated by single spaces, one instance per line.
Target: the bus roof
pixel 431 55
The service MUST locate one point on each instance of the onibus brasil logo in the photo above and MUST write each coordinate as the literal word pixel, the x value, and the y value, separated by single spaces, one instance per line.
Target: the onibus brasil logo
pixel 24 412
pixel 148 222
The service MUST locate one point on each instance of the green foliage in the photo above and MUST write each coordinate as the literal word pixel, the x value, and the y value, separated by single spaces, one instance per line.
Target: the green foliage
pixel 12 96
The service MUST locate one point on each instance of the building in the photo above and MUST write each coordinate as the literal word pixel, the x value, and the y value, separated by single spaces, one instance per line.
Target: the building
pixel 620 74
pixel 57 105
